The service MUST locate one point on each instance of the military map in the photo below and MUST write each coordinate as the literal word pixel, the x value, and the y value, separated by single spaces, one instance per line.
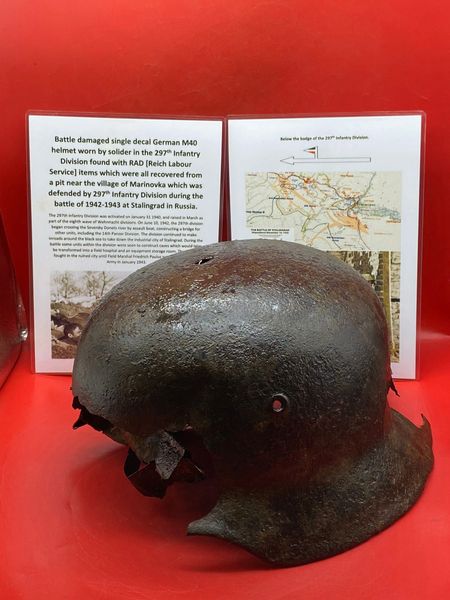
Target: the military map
pixel 326 210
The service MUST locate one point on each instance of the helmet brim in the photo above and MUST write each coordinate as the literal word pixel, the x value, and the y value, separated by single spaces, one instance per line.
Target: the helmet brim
pixel 332 513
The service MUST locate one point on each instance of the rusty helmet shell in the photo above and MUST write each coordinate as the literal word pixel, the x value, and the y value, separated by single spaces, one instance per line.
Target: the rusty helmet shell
pixel 276 354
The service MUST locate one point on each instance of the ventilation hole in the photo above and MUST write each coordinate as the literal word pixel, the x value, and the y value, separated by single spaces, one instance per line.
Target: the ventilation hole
pixel 202 261
pixel 279 403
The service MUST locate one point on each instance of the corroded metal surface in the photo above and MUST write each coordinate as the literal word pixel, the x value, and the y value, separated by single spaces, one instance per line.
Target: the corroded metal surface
pixel 266 363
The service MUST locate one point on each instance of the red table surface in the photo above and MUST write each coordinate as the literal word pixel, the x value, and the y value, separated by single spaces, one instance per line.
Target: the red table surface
pixel 72 526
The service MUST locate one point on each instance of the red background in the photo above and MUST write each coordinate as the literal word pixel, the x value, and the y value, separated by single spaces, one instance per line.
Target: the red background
pixel 70 526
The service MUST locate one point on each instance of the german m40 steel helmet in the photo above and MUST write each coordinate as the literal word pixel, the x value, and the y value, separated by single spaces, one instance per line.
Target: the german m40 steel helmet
pixel 275 356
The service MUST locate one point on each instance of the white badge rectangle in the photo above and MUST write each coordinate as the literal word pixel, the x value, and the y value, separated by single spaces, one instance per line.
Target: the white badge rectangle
pixel 349 185
pixel 108 196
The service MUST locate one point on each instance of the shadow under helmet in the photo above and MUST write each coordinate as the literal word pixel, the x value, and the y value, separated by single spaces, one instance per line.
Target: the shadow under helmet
pixel 276 356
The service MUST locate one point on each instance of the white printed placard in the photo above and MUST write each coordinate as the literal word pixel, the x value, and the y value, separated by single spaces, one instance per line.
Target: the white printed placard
pixel 348 185
pixel 109 195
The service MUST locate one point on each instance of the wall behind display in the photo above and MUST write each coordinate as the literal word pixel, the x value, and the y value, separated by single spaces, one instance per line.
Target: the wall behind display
pixel 212 57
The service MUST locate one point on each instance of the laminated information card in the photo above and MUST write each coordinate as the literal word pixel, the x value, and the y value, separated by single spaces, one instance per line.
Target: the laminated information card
pixel 348 185
pixel 108 196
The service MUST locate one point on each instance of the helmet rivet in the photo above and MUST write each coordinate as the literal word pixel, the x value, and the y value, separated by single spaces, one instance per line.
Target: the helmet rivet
pixel 279 403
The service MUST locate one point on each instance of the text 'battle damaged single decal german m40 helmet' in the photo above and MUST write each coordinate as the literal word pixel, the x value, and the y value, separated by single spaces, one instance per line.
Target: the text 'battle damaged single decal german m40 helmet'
pixel 270 361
